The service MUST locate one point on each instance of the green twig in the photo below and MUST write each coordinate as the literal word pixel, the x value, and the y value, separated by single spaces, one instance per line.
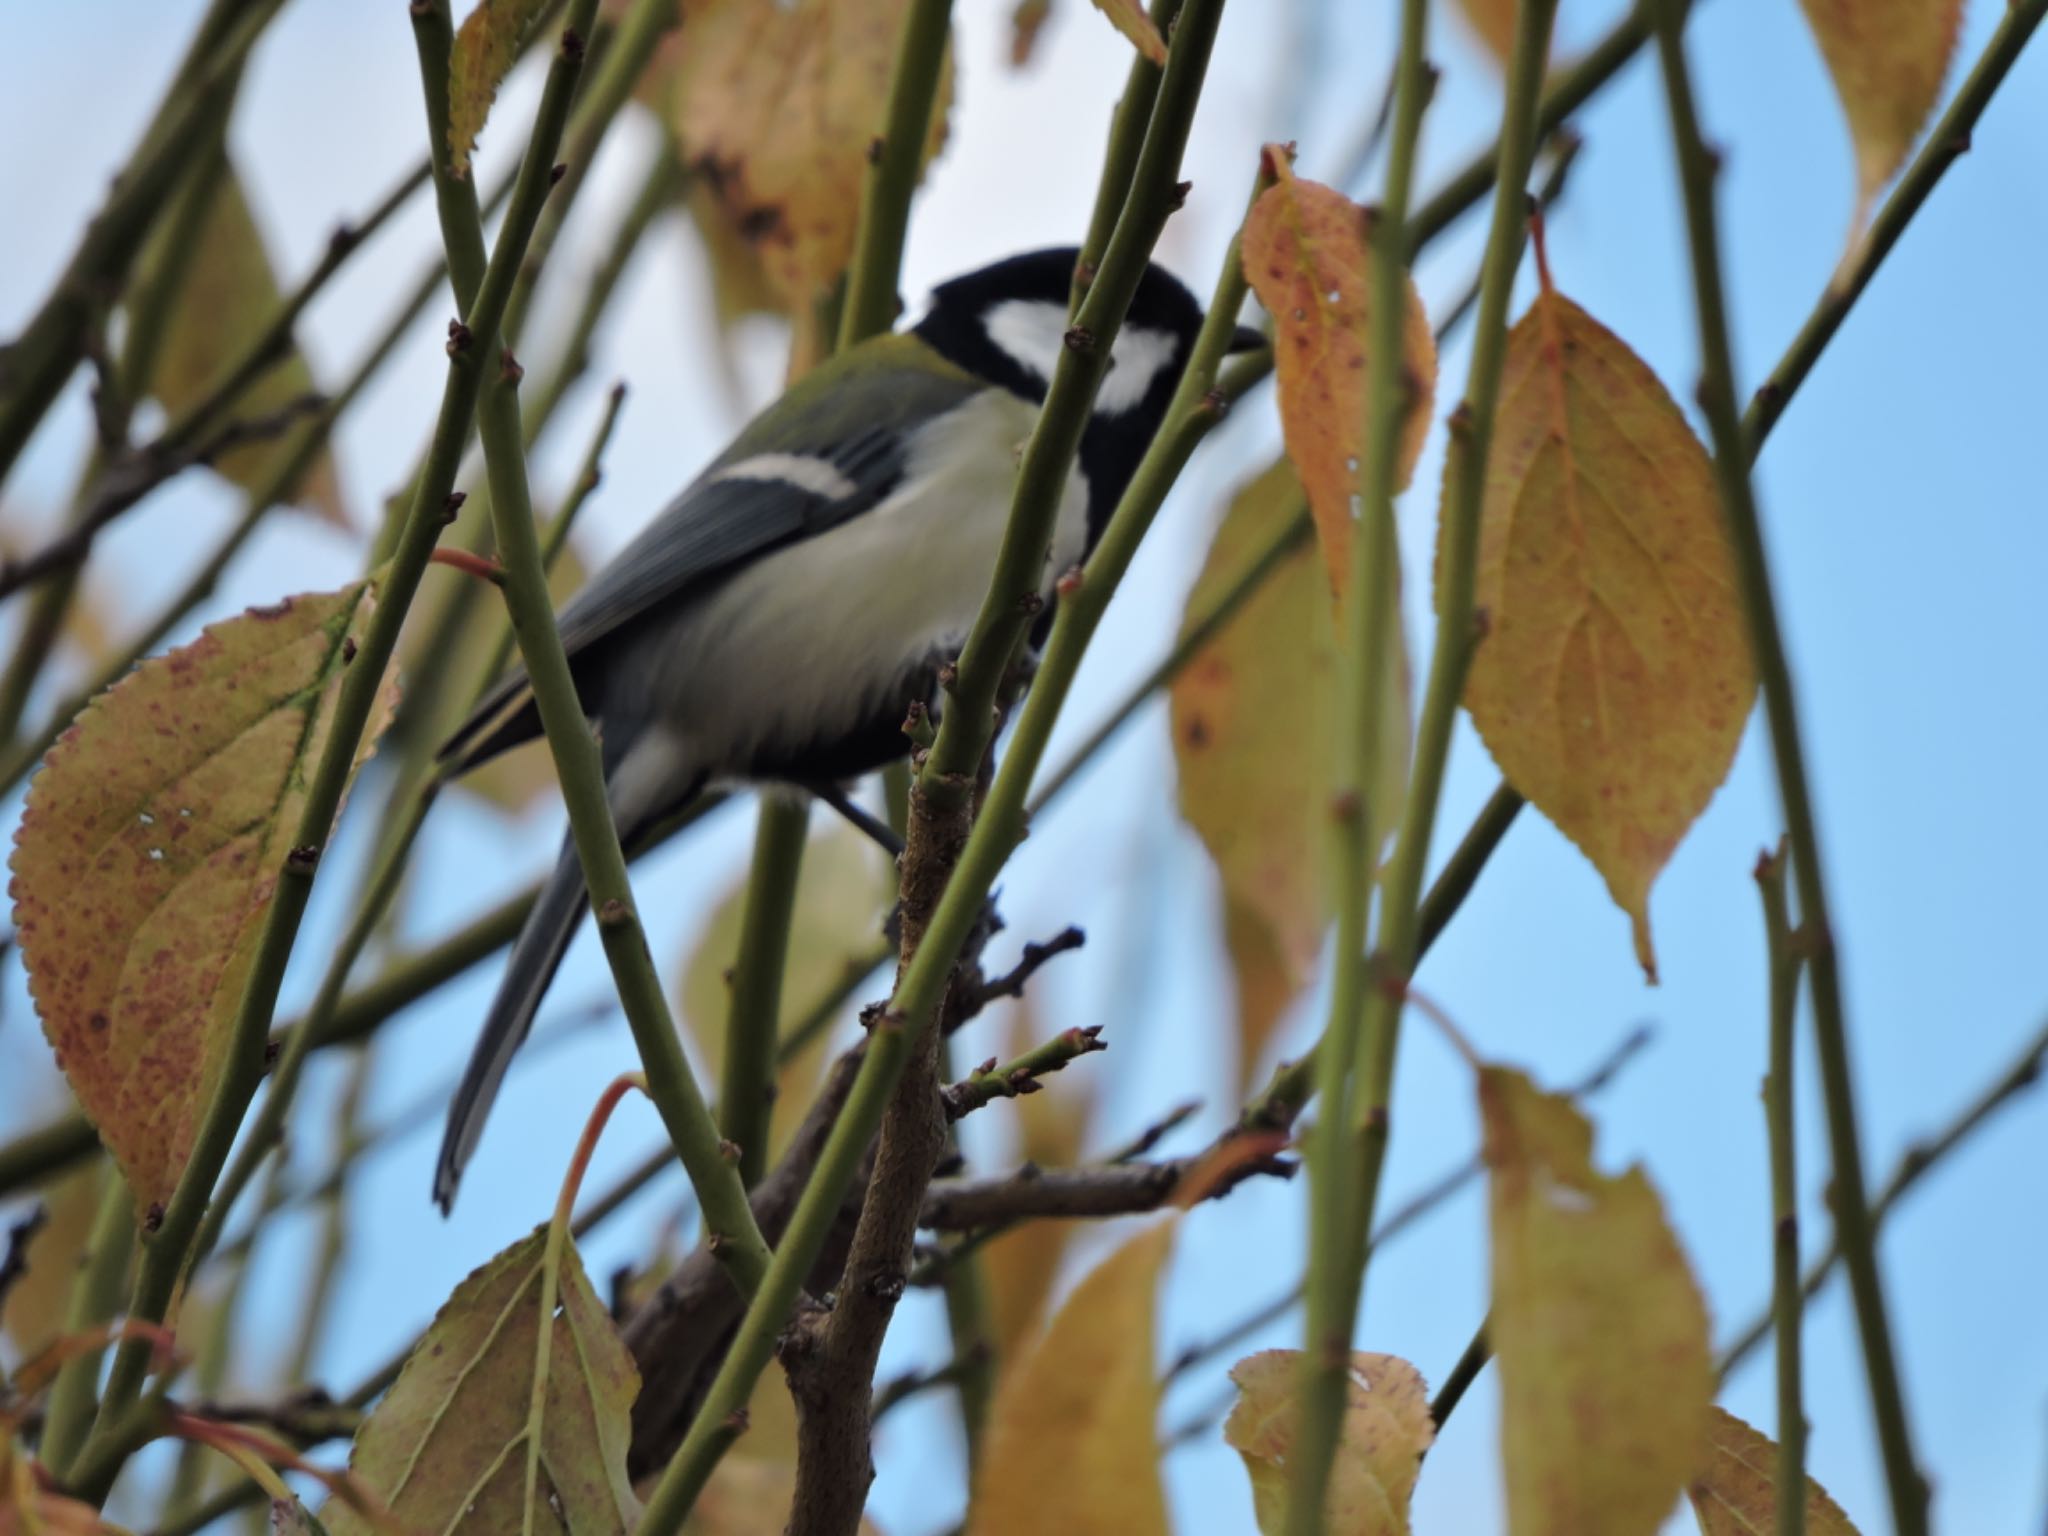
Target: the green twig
pixel 1462 1375
pixel 894 163
pixel 1014 1078
pixel 1853 1226
pixel 94 1297
pixel 746 1090
pixel 1784 960
pixel 957 755
pixel 167 1249
pixel 1127 127
pixel 1340 1205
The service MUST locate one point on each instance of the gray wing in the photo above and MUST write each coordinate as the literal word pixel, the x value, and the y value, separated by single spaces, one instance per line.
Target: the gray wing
pixel 726 520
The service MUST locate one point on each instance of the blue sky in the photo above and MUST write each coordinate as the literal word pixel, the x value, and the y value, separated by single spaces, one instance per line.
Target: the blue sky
pixel 1903 500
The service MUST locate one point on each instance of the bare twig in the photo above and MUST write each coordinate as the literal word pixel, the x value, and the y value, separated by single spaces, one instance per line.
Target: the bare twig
pixel 1118 1189
pixel 1011 1079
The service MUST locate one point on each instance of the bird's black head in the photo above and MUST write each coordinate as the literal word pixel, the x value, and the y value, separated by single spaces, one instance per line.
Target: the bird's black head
pixel 1007 323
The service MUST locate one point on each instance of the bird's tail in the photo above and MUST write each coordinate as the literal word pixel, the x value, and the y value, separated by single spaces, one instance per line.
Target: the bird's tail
pixel 536 955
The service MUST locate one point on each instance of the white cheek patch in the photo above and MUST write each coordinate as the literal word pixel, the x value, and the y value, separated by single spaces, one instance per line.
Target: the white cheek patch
pixel 818 476
pixel 1030 332
pixel 1138 358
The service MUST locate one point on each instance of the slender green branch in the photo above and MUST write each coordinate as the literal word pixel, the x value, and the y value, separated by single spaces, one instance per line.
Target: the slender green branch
pixel 41 358
pixel 94 1298
pixel 167 1249
pixel 962 740
pixel 1127 126
pixel 1462 1375
pixel 746 1090
pixel 1784 959
pixel 1919 1160
pixel 670 1082
pixel 1570 89
pixel 894 162
pixel 1853 1226
pixel 1340 1206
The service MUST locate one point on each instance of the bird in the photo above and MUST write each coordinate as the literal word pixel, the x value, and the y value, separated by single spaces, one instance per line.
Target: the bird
pixel 772 624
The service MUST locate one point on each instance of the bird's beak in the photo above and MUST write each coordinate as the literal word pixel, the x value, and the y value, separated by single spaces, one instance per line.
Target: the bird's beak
pixel 1248 338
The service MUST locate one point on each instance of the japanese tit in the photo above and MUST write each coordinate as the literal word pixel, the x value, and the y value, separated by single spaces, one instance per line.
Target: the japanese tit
pixel 775 620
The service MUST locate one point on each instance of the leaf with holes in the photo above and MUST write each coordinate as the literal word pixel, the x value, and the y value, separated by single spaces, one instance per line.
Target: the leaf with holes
pixel 776 107
pixel 1085 1400
pixel 1737 1493
pixel 486 48
pixel 1254 732
pixel 1615 680
pixel 226 299
pixel 1305 257
pixel 1129 18
pixel 1605 1376
pixel 148 853
pixel 835 932
pixel 469 1434
pixel 1888 59
pixel 1386 1431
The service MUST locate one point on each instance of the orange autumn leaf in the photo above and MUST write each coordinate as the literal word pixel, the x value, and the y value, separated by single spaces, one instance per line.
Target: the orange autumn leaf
pixel 1888 59
pixel 1083 1400
pixel 775 107
pixel 1605 1374
pixel 1614 681
pixel 1386 1431
pixel 1737 1492
pixel 1305 257
pixel 1493 23
pixel 148 853
pixel 1129 18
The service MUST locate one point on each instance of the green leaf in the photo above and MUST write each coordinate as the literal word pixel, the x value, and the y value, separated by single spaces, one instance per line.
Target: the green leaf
pixel 1386 1430
pixel 1605 1376
pixel 448 1447
pixel 486 47
pixel 148 854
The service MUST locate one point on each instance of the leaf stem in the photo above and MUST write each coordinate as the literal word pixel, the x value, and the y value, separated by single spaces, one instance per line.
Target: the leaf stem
pixel 1779 1098
pixel 746 1088
pixel 1907 1488
pixel 166 1250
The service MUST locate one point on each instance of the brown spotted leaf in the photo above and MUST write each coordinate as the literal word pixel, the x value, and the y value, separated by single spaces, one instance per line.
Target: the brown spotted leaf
pixel 1605 1374
pixel 777 106
pixel 1254 731
pixel 1737 1493
pixel 1084 1400
pixel 1387 1428
pixel 450 1445
pixel 226 299
pixel 486 48
pixel 1129 18
pixel 1888 59
pixel 1305 257
pixel 148 852
pixel 1614 681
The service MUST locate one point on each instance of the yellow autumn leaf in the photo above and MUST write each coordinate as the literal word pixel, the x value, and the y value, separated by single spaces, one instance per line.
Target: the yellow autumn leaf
pixel 486 47
pixel 148 853
pixel 776 109
pixel 843 893
pixel 450 1441
pixel 1888 59
pixel 1614 681
pixel 32 1311
pixel 1129 18
pixel 1493 23
pixel 1605 1375
pixel 1027 24
pixel 1386 1431
pixel 1084 1400
pixel 1305 257
pixel 226 298
pixel 1737 1493
pixel 1254 732
pixel 1022 1263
